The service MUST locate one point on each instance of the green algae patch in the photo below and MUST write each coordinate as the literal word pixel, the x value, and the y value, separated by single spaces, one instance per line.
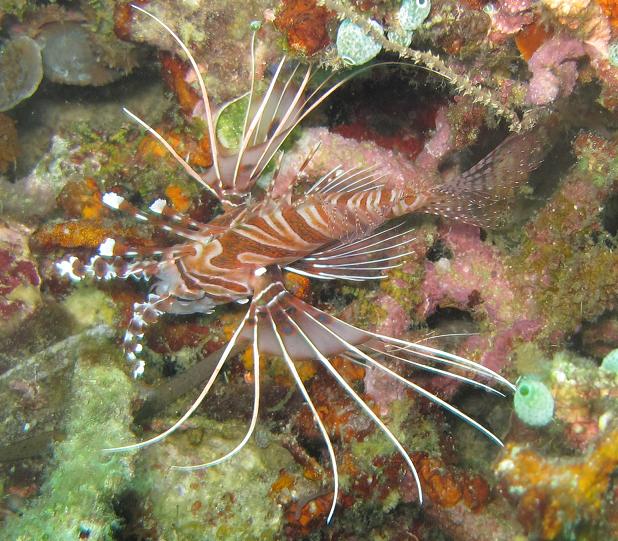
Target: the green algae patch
pixel 90 307
pixel 230 122
pixel 76 500
pixel 231 501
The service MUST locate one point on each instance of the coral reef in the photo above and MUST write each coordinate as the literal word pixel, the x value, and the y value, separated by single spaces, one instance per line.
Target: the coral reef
pixel 204 504
pixel 19 277
pixel 559 495
pixel 9 145
pixel 69 58
pixel 304 25
pixel 536 300
pixel 554 70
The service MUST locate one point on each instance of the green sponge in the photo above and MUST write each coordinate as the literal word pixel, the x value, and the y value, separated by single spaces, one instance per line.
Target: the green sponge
pixel 533 401
pixel 610 362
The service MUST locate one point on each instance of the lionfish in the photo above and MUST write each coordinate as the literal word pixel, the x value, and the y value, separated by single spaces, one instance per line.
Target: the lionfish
pixel 343 227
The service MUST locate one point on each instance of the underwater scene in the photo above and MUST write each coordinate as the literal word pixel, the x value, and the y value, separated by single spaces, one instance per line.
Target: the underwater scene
pixel 308 269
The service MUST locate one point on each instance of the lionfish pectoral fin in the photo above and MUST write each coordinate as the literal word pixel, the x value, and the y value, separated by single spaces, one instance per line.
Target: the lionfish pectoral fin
pixel 339 330
pixel 482 194
pixel 273 295
pixel 222 360
pixel 301 320
pixel 284 352
pixel 412 358
pixel 358 260
pixel 432 397
pixel 256 404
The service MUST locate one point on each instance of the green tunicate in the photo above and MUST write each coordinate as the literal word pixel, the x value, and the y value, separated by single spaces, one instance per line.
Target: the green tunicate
pixel 533 401
pixel 612 53
pixel 412 13
pixel 610 362
pixel 400 36
pixel 230 122
pixel 354 46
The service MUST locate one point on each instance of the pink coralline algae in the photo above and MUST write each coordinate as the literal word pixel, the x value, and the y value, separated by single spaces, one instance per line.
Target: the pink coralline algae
pixel 508 17
pixel 554 70
pixel 346 153
pixel 19 278
pixel 476 280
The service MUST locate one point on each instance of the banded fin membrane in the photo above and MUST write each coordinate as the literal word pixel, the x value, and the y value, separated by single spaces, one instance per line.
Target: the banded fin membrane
pixel 482 194
pixel 357 260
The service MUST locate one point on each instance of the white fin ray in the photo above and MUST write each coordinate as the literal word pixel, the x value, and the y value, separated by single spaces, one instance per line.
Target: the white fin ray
pixel 316 416
pixel 254 415
pixel 417 388
pixel 222 360
pixel 358 260
pixel 352 393
pixel 439 371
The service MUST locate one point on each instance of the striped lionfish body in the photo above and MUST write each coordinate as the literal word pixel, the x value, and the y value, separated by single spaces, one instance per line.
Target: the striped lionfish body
pixel 343 227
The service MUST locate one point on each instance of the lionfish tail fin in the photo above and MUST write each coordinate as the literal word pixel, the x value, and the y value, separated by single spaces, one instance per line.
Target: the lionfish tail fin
pixel 482 194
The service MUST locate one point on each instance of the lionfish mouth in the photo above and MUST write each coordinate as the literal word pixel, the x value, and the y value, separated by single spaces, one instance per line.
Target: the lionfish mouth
pixel 276 322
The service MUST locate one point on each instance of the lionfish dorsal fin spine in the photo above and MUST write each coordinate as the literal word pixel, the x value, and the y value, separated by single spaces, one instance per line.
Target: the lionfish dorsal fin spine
pixel 202 85
pixel 248 133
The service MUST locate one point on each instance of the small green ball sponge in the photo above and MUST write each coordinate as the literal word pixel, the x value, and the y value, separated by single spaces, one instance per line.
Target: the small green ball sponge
pixel 533 401
pixel 610 362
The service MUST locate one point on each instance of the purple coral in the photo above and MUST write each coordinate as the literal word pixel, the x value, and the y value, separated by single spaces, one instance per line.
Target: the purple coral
pixel 508 17
pixel 554 70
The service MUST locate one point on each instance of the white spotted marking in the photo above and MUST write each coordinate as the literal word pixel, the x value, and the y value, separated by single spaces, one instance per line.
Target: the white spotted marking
pixel 106 249
pixel 65 268
pixel 112 200
pixel 158 206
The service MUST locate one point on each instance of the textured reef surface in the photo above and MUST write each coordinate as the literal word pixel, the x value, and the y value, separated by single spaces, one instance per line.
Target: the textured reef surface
pixel 535 299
